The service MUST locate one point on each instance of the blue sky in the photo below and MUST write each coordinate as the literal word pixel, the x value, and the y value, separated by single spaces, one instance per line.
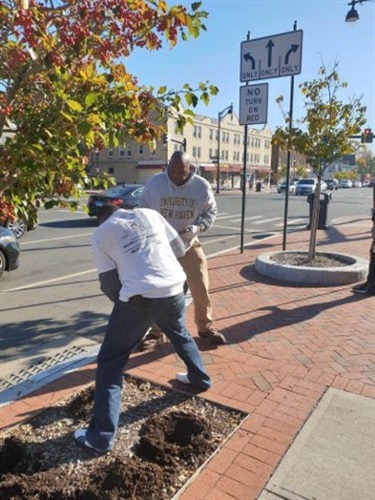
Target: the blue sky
pixel 215 55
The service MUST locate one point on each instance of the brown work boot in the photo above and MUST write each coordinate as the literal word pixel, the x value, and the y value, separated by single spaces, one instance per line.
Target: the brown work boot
pixel 213 335
pixel 151 340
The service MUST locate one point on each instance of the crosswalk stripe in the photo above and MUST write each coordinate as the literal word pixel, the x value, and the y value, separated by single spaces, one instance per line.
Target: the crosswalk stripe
pixel 267 220
pixel 295 222
pixel 247 218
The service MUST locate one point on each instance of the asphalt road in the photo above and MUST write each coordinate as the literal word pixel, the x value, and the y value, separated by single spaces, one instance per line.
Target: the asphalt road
pixel 54 296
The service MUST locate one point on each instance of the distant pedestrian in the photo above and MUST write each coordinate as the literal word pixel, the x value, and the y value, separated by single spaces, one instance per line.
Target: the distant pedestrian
pixel 369 285
pixel 135 255
pixel 187 202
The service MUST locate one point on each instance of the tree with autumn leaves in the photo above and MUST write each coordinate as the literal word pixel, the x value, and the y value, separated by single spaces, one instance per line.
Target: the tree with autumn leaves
pixel 65 89
pixel 324 133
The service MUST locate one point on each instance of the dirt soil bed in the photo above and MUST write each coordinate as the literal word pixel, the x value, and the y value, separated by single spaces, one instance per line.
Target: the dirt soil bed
pixel 321 259
pixel 164 437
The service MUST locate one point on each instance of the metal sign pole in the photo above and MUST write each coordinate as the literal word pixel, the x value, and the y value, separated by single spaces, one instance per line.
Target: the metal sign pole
pixel 285 229
pixel 244 181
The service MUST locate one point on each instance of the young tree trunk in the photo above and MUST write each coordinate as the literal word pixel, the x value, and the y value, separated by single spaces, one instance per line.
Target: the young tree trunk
pixel 314 219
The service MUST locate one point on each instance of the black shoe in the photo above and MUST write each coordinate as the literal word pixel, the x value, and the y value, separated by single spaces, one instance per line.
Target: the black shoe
pixel 213 335
pixel 364 288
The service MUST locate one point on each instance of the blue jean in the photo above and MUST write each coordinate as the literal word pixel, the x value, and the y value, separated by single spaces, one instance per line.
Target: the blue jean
pixel 126 327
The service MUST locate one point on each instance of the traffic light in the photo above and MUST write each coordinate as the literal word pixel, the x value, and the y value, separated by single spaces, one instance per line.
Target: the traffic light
pixel 367 136
pixel 165 139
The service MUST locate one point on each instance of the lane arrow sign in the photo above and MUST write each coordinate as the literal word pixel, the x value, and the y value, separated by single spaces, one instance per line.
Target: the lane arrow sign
pixel 271 56
pixel 248 57
pixel 269 46
pixel 292 50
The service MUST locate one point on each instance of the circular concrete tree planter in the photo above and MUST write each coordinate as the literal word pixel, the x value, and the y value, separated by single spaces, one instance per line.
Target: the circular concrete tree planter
pixel 354 269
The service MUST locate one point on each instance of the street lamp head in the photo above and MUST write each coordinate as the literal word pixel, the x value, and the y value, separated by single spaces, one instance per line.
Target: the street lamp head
pixel 352 15
pixel 230 111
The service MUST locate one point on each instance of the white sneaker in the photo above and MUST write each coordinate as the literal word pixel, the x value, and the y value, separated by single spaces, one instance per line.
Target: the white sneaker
pixel 183 378
pixel 80 437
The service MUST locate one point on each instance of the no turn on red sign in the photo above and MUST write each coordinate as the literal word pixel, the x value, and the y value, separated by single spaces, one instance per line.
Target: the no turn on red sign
pixel 253 104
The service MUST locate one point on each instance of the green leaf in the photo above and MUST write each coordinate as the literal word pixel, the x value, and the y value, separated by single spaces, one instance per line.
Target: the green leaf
pixel 84 128
pixel 50 204
pixel 205 98
pixel 162 90
pixel 68 117
pixel 195 6
pixel 91 98
pixel 74 105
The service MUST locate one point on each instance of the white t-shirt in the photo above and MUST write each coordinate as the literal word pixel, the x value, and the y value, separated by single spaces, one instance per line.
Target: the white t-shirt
pixel 136 243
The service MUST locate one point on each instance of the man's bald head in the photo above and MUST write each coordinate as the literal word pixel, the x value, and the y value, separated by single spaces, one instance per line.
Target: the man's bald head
pixel 180 167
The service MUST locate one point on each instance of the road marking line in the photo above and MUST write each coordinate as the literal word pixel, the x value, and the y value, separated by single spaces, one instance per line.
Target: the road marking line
pixel 225 216
pixel 248 218
pixel 56 239
pixel 46 282
pixel 263 221
pixel 292 222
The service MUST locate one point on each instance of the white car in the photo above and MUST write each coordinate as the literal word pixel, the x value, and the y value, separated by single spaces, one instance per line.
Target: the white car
pixel 292 187
pixel 346 184
pixel 308 186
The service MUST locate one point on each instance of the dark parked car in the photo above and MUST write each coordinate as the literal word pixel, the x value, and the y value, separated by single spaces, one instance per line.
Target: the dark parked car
pixel 9 251
pixel 17 226
pixel 332 184
pixel 124 196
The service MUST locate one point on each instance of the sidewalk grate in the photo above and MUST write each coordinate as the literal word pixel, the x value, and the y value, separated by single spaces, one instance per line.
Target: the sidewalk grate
pixel 25 374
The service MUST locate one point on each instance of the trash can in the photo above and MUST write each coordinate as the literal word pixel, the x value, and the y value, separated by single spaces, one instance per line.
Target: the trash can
pixel 323 209
pixel 258 186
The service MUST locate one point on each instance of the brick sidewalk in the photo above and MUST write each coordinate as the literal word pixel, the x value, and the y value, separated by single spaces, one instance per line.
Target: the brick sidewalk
pixel 286 345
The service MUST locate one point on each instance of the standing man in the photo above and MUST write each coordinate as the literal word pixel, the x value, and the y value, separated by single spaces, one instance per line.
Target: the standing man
pixel 187 202
pixel 369 285
pixel 135 255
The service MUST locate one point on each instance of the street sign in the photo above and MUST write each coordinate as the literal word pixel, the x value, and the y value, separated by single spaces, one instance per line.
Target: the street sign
pixel 271 56
pixel 253 104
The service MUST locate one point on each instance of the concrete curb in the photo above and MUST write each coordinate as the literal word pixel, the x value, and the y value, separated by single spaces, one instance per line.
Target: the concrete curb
pixel 314 276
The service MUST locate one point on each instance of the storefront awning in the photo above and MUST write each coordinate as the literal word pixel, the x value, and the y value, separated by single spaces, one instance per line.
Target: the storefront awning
pixel 157 165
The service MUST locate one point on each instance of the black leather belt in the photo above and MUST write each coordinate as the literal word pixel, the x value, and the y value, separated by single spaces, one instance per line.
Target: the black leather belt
pixel 139 300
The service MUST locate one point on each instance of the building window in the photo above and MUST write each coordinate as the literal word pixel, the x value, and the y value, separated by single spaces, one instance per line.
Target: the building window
pixel 121 152
pixel 110 153
pixel 111 170
pixel 197 132
pixel 197 152
pixel 211 136
pixel 128 150
pixel 140 149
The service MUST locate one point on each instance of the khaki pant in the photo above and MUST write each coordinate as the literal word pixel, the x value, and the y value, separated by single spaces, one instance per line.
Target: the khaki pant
pixel 195 266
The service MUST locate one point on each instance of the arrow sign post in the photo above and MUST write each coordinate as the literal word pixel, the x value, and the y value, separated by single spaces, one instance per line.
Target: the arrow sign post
pixel 271 56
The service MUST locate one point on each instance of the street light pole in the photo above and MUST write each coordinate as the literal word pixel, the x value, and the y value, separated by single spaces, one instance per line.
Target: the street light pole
pixel 220 116
pixel 97 161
